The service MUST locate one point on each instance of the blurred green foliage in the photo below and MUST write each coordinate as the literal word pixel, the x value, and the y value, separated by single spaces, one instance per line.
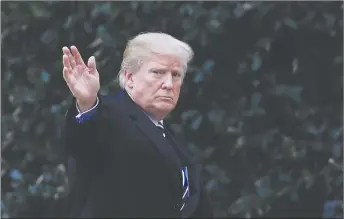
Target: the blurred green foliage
pixel 261 107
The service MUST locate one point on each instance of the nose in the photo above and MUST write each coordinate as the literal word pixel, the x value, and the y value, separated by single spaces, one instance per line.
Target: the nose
pixel 168 82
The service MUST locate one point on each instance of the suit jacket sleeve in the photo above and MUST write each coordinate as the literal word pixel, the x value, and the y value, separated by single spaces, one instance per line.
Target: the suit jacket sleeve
pixel 81 132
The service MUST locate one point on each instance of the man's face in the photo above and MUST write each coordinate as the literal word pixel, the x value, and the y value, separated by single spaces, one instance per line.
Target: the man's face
pixel 156 85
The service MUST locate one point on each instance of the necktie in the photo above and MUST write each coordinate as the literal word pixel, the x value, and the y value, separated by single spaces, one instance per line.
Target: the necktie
pixel 161 128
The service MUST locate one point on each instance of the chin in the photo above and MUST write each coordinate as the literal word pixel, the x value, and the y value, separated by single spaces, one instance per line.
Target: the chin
pixel 165 106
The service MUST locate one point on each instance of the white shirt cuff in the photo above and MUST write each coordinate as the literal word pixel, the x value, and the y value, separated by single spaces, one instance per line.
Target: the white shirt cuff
pixel 90 111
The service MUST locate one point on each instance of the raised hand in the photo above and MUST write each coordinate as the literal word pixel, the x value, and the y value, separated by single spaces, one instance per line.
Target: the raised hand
pixel 82 80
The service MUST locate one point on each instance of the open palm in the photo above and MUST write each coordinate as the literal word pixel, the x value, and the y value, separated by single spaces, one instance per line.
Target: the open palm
pixel 82 80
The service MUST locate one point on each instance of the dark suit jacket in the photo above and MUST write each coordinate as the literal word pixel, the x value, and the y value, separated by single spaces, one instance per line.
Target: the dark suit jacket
pixel 121 166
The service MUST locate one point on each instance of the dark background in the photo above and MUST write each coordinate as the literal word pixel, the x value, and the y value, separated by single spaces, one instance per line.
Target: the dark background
pixel 261 107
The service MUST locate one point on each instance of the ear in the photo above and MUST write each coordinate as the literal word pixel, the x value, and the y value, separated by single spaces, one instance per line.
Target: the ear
pixel 129 79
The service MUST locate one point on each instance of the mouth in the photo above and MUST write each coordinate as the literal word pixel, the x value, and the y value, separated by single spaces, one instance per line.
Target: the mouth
pixel 165 97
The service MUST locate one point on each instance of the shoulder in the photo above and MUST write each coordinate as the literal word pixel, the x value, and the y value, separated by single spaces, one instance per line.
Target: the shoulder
pixel 109 100
pixel 112 106
pixel 106 98
pixel 112 98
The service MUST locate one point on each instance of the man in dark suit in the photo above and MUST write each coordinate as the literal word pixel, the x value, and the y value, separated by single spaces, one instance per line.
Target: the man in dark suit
pixel 124 160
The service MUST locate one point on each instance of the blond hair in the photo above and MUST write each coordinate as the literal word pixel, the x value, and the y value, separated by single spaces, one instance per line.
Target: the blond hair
pixel 145 45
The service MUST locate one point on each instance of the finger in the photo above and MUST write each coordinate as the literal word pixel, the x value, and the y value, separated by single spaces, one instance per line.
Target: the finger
pixel 77 56
pixel 67 52
pixel 66 62
pixel 66 75
pixel 92 65
pixel 72 61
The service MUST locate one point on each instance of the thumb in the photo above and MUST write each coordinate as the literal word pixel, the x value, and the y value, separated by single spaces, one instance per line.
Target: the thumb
pixel 91 64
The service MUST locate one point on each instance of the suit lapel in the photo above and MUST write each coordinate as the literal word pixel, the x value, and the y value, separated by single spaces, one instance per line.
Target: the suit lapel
pixel 146 126
pixel 185 157
pixel 188 161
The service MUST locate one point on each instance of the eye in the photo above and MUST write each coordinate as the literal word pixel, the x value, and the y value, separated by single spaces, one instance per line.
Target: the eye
pixel 155 71
pixel 176 74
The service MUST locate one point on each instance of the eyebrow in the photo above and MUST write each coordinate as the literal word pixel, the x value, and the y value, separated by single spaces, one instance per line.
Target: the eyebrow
pixel 166 68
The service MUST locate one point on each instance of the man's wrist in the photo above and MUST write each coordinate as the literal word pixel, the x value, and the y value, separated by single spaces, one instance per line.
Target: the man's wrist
pixel 85 106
